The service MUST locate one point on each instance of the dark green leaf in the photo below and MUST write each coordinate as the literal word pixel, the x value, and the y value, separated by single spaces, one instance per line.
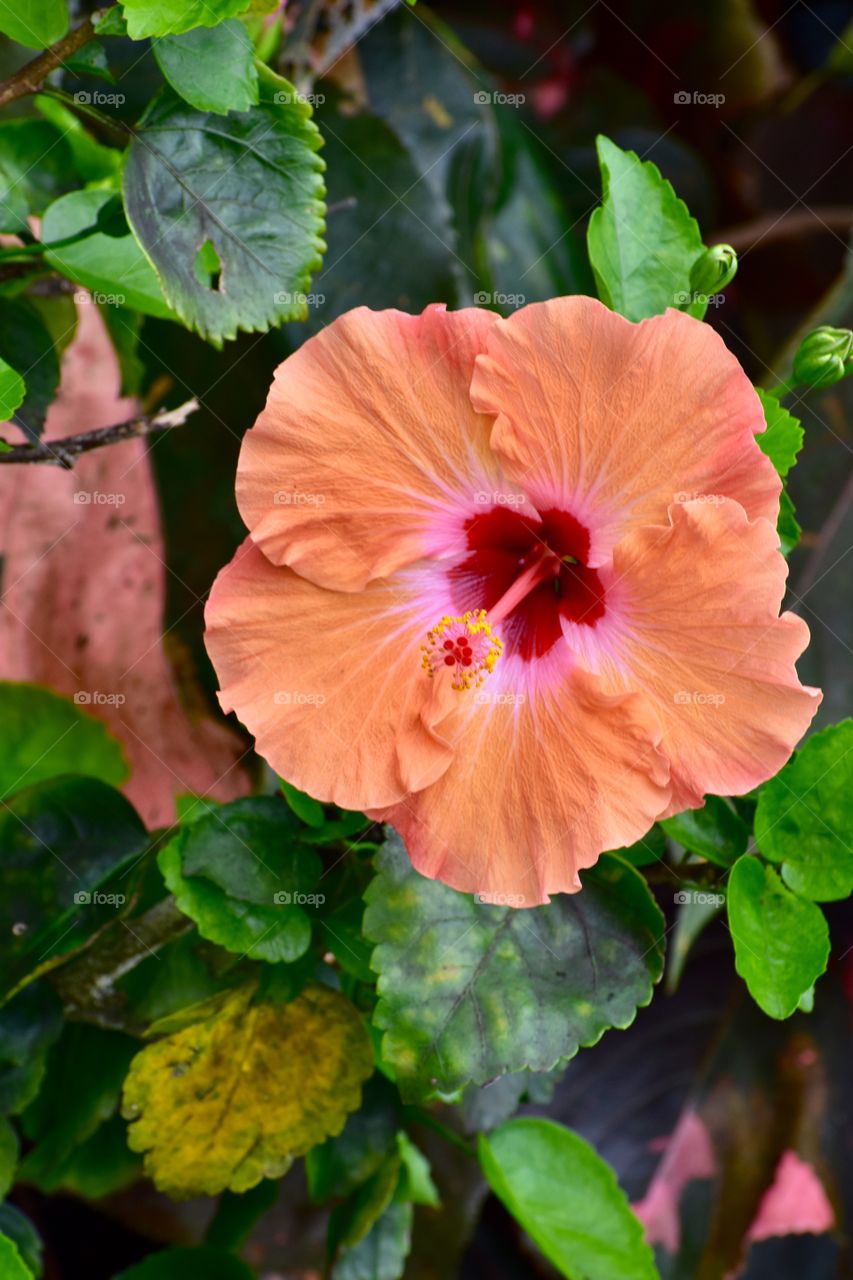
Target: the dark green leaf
pixel 781 940
pixel 651 848
pixel 470 991
pixel 248 185
pixel 351 1221
pixel 34 23
pixel 101 1165
pixel 171 17
pixel 35 167
pixel 8 1156
pixel 306 808
pixel 241 874
pixel 805 816
pixel 714 832
pixel 64 843
pixel 416 1184
pixel 202 1263
pixel 91 60
pixel 237 1214
pixel 27 345
pixel 382 1254
pixel 112 266
pixel 567 1199
pixel 212 68
pixel 91 1063
pixel 336 1167
pixel 29 1024
pixel 642 240
pixel 783 437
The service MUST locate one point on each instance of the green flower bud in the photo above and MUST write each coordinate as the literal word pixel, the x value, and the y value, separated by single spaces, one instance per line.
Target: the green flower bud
pixel 825 356
pixel 713 270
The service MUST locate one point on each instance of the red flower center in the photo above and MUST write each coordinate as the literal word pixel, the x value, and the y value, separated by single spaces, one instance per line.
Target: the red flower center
pixel 549 554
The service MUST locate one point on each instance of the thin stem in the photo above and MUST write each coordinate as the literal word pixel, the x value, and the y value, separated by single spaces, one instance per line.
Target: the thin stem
pixel 30 78
pixel 63 453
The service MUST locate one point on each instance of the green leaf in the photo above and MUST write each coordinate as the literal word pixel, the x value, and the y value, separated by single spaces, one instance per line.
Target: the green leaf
pixel 171 17
pixel 695 911
pixel 803 818
pixel 651 848
pixel 92 160
pixel 241 874
pixel 12 1266
pixel 91 1062
pixel 12 391
pixel 382 1254
pixel 64 843
pixel 642 240
pixel 34 23
pixel 787 528
pixel 306 808
pixel 781 940
pixel 101 1165
pixel 416 1183
pixel 8 1156
pixel 250 186
pixel 782 439
pixel 21 1232
pixel 337 1167
pixel 201 1263
pixel 36 166
pixel 27 345
pixel 469 992
pixel 45 735
pixel 112 266
pixel 212 68
pixel 237 1215
pixel 29 1024
pixel 351 1221
pixel 567 1199
pixel 714 832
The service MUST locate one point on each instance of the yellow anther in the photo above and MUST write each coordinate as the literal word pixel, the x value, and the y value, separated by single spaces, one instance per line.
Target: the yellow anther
pixel 467 645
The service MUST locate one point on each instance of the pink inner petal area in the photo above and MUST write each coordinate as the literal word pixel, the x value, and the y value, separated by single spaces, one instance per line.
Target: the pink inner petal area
pixel 548 772
pixel 369 454
pixel 615 421
pixel 329 683
pixel 700 635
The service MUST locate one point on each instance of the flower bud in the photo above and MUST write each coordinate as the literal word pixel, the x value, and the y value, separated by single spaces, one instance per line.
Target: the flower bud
pixel 825 356
pixel 713 270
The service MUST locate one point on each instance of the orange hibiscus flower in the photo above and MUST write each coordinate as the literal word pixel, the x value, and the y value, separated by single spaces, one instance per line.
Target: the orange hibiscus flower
pixel 511 585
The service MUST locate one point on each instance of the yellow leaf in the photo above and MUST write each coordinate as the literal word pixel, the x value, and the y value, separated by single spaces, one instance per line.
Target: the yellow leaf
pixel 238 1095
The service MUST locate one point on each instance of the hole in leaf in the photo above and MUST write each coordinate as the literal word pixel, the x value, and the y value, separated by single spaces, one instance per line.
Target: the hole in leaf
pixel 207 266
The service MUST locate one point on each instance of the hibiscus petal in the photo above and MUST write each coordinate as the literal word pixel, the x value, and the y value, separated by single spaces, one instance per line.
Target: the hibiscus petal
pixel 698 605
pixel 537 790
pixel 368 445
pixel 329 683
pixel 613 421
